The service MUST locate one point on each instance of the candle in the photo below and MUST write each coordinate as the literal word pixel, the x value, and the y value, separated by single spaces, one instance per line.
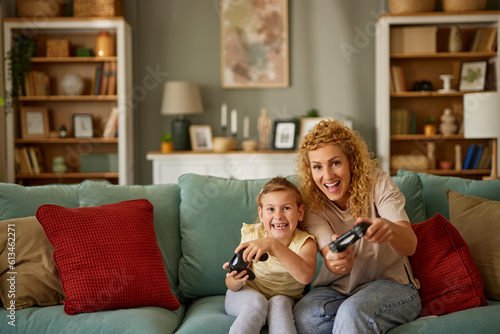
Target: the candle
pixel 223 120
pixel 246 127
pixel 234 126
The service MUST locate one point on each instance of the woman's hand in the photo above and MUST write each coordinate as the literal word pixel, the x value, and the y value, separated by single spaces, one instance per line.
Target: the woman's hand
pixel 340 263
pixel 380 230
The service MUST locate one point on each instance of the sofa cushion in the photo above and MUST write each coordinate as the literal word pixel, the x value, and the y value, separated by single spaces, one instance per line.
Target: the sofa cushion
pixel 449 278
pixel 107 256
pixel 478 221
pixel 33 275
pixel 17 201
pixel 165 199
pixel 212 212
pixel 53 320
pixel 411 187
pixel 435 188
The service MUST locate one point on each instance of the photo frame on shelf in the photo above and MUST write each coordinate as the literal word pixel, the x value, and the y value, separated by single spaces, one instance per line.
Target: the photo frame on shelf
pixel 263 63
pixel 201 137
pixel 34 122
pixel 285 134
pixel 473 76
pixel 83 125
pixel 307 123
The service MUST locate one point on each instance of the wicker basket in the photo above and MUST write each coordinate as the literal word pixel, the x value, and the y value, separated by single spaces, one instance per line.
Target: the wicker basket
pixel 411 6
pixel 38 8
pixel 57 48
pixel 463 5
pixel 84 8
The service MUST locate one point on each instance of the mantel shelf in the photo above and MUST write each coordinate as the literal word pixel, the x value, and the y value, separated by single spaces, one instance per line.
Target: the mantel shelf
pixel 444 55
pixel 72 59
pixel 433 94
pixel 69 98
pixel 67 140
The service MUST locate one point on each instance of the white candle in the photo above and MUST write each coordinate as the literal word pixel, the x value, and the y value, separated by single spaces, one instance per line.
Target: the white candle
pixel 223 120
pixel 234 126
pixel 246 127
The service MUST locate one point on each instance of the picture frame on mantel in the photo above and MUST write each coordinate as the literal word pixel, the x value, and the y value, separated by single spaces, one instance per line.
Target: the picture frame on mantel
pixel 201 137
pixel 285 134
pixel 254 44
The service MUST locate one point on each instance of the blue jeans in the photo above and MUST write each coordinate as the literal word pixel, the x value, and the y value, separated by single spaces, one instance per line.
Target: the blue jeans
pixel 376 308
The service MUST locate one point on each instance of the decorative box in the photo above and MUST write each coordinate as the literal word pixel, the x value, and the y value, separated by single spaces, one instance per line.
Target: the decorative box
pixel 83 8
pixel 57 48
pixel 99 163
pixel 413 39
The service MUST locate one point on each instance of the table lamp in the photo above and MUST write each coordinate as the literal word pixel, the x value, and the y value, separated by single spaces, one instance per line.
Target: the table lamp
pixel 181 98
pixel 482 120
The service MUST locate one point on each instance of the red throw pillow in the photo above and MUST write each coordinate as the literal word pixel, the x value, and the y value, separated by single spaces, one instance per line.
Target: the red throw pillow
pixel 107 256
pixel 449 278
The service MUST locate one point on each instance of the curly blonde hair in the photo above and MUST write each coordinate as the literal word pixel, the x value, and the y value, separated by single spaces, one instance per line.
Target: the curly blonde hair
pixel 360 159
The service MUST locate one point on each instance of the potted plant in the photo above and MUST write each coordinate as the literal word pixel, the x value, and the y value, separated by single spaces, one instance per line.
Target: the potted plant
pixel 19 63
pixel 430 126
pixel 167 143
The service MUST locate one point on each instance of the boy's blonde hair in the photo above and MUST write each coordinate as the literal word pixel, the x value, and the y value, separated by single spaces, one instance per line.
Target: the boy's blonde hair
pixel 361 164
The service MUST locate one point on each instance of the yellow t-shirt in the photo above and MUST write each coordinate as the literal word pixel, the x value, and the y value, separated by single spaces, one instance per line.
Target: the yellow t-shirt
pixel 271 278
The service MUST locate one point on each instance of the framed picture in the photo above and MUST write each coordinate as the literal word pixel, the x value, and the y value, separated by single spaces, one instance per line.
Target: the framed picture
pixel 34 122
pixel 254 44
pixel 472 76
pixel 201 137
pixel 307 123
pixel 83 125
pixel 285 134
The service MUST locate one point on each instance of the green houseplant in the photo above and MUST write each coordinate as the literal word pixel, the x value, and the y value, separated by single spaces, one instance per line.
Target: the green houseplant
pixel 167 143
pixel 19 63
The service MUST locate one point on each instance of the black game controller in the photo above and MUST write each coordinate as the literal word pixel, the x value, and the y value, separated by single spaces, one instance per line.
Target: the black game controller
pixel 349 237
pixel 239 265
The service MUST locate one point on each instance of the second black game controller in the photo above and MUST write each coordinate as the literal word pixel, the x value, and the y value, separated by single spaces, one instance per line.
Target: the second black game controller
pixel 349 237
pixel 237 263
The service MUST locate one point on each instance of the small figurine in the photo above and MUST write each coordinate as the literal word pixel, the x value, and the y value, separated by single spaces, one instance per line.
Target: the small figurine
pixel 431 155
pixel 458 157
pixel 448 124
pixel 264 127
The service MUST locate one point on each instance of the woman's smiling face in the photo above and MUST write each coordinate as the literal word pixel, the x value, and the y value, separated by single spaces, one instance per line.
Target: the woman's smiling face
pixel 332 173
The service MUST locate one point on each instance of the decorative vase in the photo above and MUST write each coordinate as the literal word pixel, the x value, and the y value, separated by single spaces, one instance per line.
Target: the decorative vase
pixel 429 129
pixel 39 8
pixel 103 45
pixel 59 165
pixel 224 144
pixel 167 146
pixel 448 124
pixel 455 40
pixel 72 84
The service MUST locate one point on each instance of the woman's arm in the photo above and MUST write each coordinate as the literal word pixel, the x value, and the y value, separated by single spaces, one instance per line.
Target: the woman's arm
pixel 301 266
pixel 398 235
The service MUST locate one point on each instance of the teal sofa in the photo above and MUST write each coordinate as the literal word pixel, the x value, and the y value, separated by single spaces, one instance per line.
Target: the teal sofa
pixel 197 223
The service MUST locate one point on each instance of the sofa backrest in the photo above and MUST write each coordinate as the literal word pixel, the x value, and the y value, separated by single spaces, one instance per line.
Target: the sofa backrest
pixel 434 190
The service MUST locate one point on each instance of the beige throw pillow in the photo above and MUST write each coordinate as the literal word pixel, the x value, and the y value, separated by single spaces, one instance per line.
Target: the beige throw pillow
pixel 34 277
pixel 478 221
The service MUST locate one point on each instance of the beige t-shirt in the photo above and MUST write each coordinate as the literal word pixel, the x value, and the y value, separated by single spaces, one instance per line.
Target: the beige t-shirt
pixel 271 277
pixel 373 261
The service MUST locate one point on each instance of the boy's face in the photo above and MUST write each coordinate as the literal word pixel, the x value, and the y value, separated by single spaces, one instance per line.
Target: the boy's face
pixel 280 214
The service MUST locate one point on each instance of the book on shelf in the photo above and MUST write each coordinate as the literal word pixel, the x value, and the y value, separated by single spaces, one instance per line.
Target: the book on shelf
pixel 403 121
pixel 485 160
pixel 36 83
pixel 469 156
pixel 111 127
pixel 104 81
pixel 112 79
pixel 28 160
pixel 485 40
pixel 398 83
pixel 477 156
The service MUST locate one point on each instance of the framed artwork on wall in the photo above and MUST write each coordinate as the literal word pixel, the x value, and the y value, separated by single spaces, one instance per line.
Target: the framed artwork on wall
pixel 254 44
pixel 34 122
pixel 201 137
pixel 83 125
pixel 473 76
pixel 285 134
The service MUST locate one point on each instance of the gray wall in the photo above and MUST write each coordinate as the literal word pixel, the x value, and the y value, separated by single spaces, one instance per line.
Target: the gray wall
pixel 331 66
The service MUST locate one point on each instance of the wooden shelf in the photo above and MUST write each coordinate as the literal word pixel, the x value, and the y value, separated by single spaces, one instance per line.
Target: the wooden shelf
pixel 450 172
pixel 68 176
pixel 72 59
pixel 432 94
pixel 62 98
pixel 67 141
pixel 444 55
pixel 424 137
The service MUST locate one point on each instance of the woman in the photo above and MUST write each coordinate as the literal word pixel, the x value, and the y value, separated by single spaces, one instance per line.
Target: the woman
pixel 369 287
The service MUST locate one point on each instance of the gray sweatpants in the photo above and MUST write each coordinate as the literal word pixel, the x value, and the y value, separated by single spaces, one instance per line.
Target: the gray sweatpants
pixel 252 309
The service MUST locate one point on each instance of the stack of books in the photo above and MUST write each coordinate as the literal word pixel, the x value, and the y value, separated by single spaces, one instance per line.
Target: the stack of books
pixel 36 83
pixel 28 160
pixel 104 82
pixel 478 157
pixel 398 83
pixel 485 40
pixel 403 122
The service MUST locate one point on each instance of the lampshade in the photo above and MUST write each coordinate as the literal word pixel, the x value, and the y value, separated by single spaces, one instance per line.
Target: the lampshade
pixel 181 98
pixel 482 120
